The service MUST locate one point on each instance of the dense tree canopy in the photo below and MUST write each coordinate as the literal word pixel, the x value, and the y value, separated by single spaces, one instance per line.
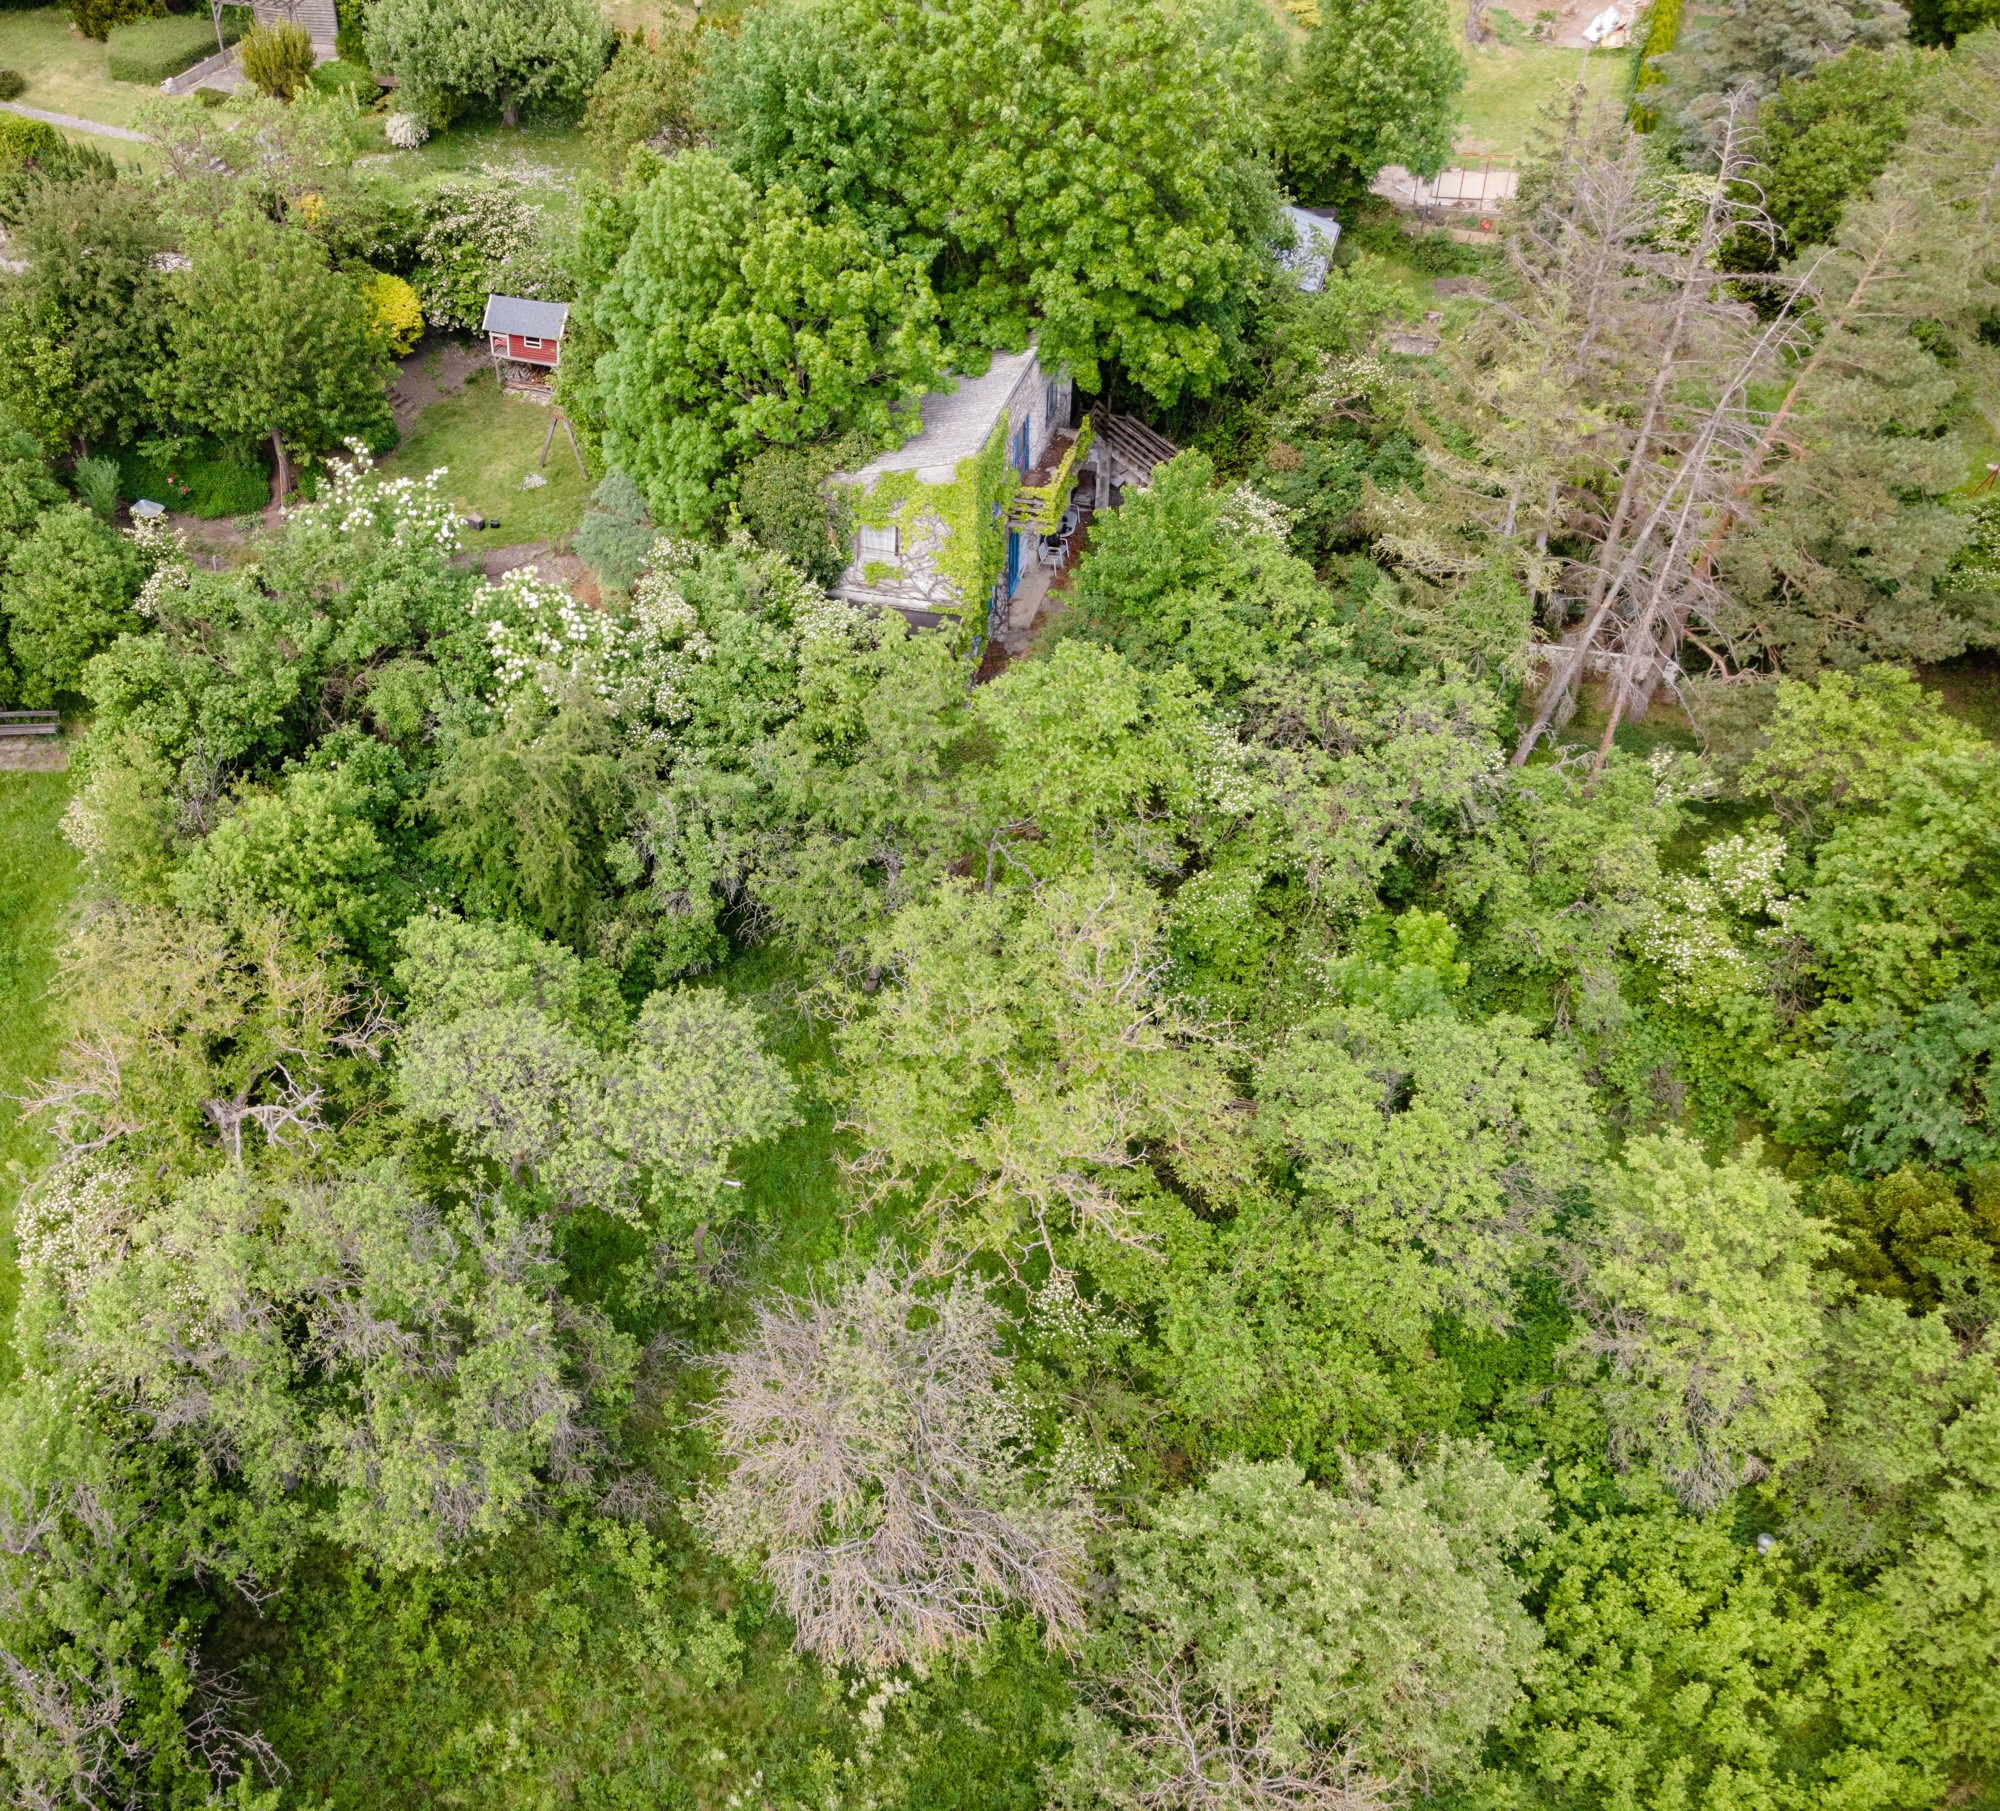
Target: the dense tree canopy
pixel 1363 1173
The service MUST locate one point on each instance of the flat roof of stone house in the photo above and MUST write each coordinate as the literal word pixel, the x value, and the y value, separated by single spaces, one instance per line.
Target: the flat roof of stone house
pixel 956 422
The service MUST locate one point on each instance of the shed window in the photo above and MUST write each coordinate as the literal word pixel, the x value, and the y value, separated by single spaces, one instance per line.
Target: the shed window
pixel 529 339
pixel 880 543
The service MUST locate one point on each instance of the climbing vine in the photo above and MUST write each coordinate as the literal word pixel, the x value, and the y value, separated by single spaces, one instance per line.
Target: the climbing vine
pixel 971 511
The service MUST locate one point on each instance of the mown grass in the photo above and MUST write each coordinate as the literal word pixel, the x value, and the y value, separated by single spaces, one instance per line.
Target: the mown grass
pixel 489 442
pixel 66 71
pixel 1506 88
pixel 38 875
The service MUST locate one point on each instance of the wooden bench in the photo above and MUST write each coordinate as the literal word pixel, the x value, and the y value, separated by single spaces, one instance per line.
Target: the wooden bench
pixel 30 723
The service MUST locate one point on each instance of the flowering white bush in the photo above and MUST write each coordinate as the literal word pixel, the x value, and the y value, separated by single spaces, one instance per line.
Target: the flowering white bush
pixel 1699 931
pixel 358 500
pixel 76 1220
pixel 163 548
pixel 1248 512
pixel 405 131
pixel 542 636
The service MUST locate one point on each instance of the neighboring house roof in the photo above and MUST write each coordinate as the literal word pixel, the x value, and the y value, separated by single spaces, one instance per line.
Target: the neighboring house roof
pixel 516 314
pixel 1318 236
pixel 956 422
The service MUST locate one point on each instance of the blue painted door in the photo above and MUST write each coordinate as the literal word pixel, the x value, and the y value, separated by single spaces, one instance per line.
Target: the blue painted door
pixel 1013 561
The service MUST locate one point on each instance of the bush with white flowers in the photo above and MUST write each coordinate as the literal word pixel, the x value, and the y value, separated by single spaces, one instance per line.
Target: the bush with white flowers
pixel 405 131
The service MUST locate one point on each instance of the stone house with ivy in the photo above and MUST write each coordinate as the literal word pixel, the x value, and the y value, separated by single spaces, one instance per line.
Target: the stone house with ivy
pixel 946 525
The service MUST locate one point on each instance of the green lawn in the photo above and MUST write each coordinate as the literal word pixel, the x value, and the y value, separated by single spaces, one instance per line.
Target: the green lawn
pixel 66 72
pixel 490 442
pixel 38 874
pixel 1507 87
pixel 556 147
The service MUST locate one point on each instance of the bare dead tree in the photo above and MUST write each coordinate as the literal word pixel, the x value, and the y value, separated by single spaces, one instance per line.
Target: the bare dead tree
pixel 1671 453
pixel 1205 1751
pixel 876 1475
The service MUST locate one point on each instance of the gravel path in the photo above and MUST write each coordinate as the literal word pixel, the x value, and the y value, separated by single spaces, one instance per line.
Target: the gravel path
pixel 74 124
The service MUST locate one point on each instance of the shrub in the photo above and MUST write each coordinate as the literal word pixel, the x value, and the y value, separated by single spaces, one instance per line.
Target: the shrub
pixel 96 18
pixel 616 533
pixel 12 81
pixel 154 49
pixel 67 592
pixel 278 58
pixel 343 77
pixel 201 477
pixel 1663 27
pixel 97 484
pixel 481 235
pixel 394 311
pixel 405 131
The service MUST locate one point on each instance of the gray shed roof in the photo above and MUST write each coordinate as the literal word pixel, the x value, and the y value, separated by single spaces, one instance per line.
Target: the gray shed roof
pixel 956 422
pixel 1318 237
pixel 516 314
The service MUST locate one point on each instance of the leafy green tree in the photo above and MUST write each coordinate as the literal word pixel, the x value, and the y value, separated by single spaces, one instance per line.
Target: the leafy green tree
pixel 1085 175
pixel 87 322
pixel 1186 574
pixel 65 592
pixel 1085 749
pixel 514 53
pixel 269 342
pixel 1681 1663
pixel 1272 1643
pixel 1921 1238
pixel 1896 913
pixel 1944 21
pixel 1823 137
pixel 1895 1384
pixel 1695 1284
pixel 739 322
pixel 524 814
pixel 1440 1148
pixel 644 1130
pixel 313 849
pixel 647 96
pixel 1840 739
pixel 1377 83
pixel 1944 1596
pixel 874 1476
pixel 439 1432
pixel 1026 1051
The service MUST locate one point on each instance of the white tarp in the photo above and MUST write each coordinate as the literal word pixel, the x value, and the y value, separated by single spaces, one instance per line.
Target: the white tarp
pixel 1601 27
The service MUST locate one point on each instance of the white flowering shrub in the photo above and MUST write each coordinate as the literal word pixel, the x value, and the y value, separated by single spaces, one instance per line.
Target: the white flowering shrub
pixel 541 636
pixel 74 1222
pixel 1703 932
pixel 1248 512
pixel 1679 777
pixel 357 500
pixel 405 131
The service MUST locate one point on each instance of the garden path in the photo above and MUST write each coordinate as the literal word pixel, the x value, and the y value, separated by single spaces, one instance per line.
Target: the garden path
pixel 72 123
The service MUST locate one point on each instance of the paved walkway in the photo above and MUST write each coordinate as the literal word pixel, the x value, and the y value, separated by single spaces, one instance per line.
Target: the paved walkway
pixel 74 124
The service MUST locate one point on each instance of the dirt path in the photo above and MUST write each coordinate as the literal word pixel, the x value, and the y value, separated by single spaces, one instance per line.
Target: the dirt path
pixel 440 366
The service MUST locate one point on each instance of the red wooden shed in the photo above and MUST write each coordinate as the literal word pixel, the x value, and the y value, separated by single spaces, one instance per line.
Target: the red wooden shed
pixel 525 333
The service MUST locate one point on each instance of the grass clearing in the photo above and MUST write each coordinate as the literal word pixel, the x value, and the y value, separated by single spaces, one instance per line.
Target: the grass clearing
pixel 66 72
pixel 545 153
pixel 38 876
pixel 1506 88
pixel 490 442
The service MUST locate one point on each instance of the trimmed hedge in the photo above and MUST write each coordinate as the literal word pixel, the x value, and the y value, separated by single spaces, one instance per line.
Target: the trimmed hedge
pixel 1663 28
pixel 153 49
